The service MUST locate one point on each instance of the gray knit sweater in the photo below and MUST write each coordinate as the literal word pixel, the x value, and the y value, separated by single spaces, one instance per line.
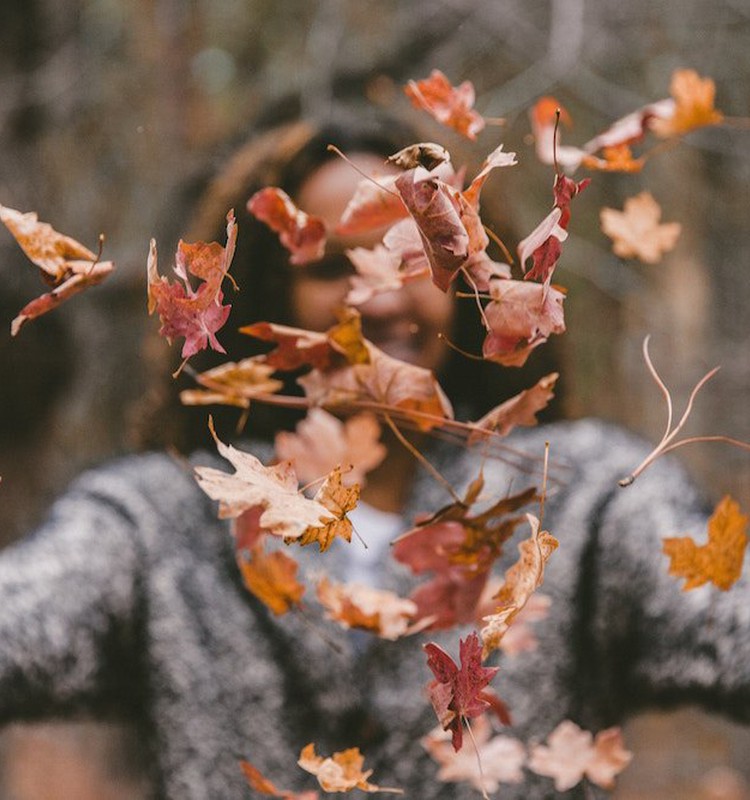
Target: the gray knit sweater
pixel 128 602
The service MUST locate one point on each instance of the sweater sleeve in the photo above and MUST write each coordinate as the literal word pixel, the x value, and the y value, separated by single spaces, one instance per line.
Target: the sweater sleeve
pixel 651 642
pixel 69 612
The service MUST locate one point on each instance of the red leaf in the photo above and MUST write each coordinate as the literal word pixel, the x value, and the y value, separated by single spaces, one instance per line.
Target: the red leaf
pixel 303 235
pixel 196 314
pixel 457 693
pixel 444 236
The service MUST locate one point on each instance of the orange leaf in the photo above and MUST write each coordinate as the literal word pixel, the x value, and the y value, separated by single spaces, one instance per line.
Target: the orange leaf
pixel 339 500
pixel 65 263
pixel 450 106
pixel 272 578
pixel 694 105
pixel 362 607
pixel 636 232
pixel 260 783
pixel 720 559
pixel 340 772
pixel 233 384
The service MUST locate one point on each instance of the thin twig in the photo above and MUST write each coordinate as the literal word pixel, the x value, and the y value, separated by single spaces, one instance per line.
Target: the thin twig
pixel 422 460
pixel 479 759
pixel 333 149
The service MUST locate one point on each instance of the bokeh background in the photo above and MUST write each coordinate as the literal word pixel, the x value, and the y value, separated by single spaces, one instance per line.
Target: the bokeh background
pixel 111 109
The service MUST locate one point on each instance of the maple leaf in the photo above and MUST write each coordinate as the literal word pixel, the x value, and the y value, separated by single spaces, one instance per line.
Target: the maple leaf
pixel 572 753
pixel 303 235
pixel 322 441
pixel 521 580
pixel 375 610
pixel 450 598
pixel 720 559
pixel 196 314
pixel 451 106
pixel 339 500
pixel 457 694
pixel 340 772
pixel 233 384
pixel 521 316
pixel 272 578
pixel 636 232
pixel 445 239
pixel 286 512
pixel 693 105
pixel 518 410
pixel 385 380
pixel 615 158
pixel 502 757
pixel 64 263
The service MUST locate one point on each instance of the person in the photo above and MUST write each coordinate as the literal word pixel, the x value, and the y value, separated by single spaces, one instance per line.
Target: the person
pixel 128 602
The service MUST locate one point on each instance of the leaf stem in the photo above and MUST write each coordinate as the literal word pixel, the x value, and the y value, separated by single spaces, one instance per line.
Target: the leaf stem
pixel 421 458
pixel 479 759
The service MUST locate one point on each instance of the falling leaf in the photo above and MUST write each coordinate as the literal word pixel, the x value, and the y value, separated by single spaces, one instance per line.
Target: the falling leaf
pixel 272 578
pixel 375 610
pixel 303 235
pixel 521 316
pixel 339 500
pixel 377 271
pixel 322 441
pixel 450 106
pixel 374 204
pixel 636 232
pixel 502 757
pixel 412 391
pixel 617 158
pixel 572 754
pixel 445 239
pixel 693 105
pixel 65 263
pixel 234 384
pixel 287 513
pixel 196 314
pixel 521 580
pixel 423 154
pixel 260 783
pixel 497 158
pixel 340 772
pixel 518 410
pixel 296 347
pixel 720 559
pixel 458 694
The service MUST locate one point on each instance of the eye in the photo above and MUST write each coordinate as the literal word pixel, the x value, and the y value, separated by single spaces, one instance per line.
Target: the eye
pixel 330 268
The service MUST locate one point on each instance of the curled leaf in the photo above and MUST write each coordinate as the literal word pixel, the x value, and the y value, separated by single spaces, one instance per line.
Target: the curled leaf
pixel 303 235
pixel 451 106
pixel 340 772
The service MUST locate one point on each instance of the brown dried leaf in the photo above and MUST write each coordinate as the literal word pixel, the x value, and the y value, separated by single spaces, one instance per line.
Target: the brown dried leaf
pixel 339 500
pixel 272 578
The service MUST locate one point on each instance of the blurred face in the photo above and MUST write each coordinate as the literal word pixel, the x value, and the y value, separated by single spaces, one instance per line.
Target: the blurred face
pixel 403 323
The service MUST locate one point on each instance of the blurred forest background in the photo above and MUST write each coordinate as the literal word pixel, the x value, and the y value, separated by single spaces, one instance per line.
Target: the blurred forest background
pixel 110 108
